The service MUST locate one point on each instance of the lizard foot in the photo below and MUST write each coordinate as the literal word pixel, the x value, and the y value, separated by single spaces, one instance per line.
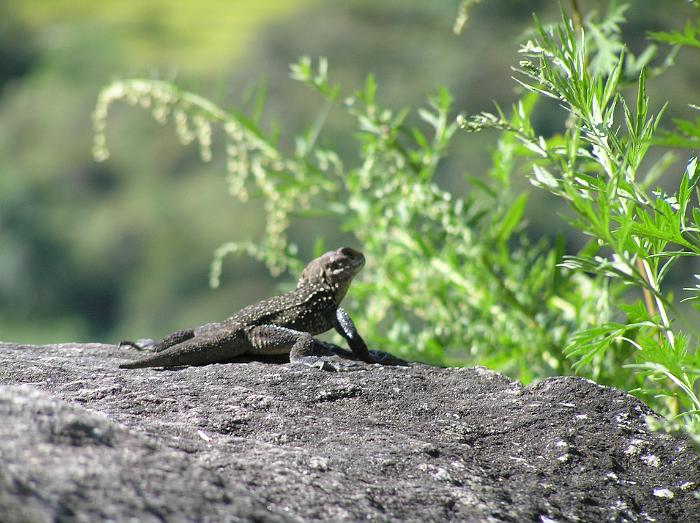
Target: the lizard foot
pixel 330 357
pixel 384 358
pixel 328 364
pixel 321 355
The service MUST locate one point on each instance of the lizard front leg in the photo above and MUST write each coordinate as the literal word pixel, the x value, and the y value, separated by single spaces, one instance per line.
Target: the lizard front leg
pixel 346 328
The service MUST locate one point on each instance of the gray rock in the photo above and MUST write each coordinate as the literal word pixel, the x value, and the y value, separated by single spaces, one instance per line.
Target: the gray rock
pixel 81 440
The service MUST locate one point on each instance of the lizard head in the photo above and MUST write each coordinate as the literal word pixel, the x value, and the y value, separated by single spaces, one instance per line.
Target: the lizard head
pixel 334 269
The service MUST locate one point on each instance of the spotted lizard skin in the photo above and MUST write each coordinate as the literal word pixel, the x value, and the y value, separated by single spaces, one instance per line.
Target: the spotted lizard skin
pixel 278 325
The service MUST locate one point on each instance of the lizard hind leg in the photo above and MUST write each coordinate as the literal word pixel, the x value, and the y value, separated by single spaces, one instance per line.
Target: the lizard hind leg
pixel 305 347
pixel 273 339
pixel 173 339
pixel 309 351
pixel 167 342
pixel 301 346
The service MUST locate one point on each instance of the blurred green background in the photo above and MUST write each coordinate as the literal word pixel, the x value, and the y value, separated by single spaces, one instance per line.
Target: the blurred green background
pixel 121 249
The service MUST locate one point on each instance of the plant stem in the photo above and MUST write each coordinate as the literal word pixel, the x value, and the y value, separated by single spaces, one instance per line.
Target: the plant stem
pixel 648 299
pixel 576 14
pixel 657 305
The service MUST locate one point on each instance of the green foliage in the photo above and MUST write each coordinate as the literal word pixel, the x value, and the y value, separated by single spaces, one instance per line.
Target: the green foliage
pixel 638 235
pixel 687 132
pixel 690 35
pixel 121 248
pixel 454 278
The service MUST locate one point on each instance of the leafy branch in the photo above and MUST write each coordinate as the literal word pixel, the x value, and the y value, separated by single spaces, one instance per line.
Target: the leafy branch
pixel 595 165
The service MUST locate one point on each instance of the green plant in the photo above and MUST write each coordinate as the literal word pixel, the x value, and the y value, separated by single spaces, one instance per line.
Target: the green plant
pixel 449 279
pixel 638 234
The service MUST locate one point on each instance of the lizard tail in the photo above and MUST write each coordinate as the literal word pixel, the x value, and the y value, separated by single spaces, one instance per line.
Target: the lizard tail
pixel 140 364
pixel 157 360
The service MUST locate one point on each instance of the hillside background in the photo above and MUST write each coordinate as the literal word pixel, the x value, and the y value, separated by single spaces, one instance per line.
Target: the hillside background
pixel 121 249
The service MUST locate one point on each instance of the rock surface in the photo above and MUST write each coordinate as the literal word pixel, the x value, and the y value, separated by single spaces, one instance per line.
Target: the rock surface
pixel 81 440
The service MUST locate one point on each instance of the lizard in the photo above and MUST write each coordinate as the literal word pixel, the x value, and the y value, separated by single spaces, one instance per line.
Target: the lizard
pixel 279 325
